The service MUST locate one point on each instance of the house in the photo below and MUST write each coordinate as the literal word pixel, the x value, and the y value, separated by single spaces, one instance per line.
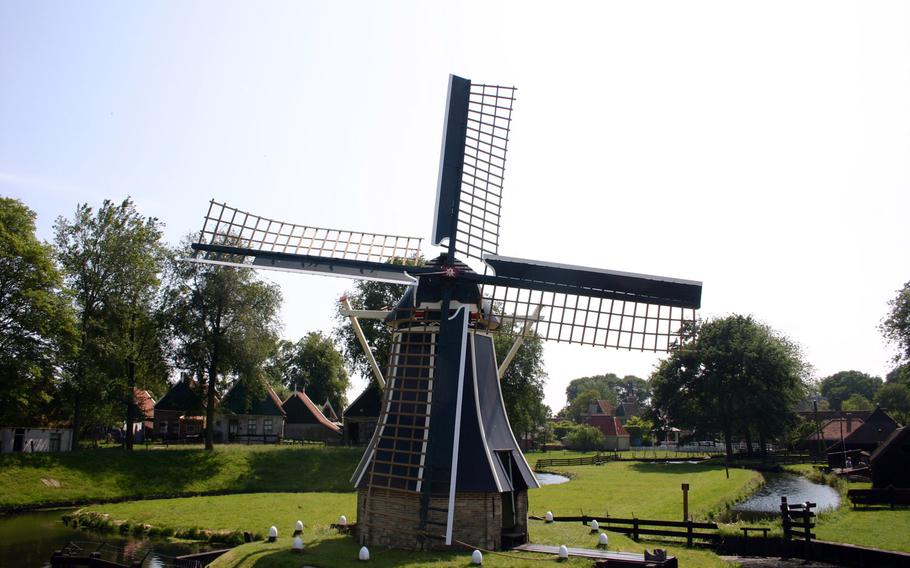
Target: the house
pixel 616 437
pixel 329 411
pixel 890 462
pixel 181 412
pixel 627 409
pixel 306 422
pixel 833 430
pixel 143 414
pixel 864 440
pixel 251 417
pixel 35 439
pixel 362 415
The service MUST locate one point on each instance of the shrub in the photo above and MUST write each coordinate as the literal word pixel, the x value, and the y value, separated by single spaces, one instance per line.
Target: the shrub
pixel 585 438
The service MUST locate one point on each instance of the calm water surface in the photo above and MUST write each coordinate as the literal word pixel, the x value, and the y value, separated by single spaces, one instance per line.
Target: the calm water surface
pixel 550 478
pixel 797 489
pixel 27 540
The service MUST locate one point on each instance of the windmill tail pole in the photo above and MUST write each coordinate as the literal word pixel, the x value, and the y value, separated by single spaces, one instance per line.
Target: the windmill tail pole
pixel 519 341
pixel 363 342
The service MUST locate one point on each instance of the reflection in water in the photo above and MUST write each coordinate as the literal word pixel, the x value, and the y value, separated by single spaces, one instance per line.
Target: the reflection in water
pixel 797 489
pixel 550 478
pixel 27 540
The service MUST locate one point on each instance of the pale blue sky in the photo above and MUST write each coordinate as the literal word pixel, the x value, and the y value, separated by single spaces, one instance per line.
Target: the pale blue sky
pixel 761 148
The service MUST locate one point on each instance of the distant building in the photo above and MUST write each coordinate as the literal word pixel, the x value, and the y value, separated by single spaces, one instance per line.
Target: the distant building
pixel 362 415
pixel 863 441
pixel 180 412
pixel 616 437
pixel 35 439
pixel 890 463
pixel 305 421
pixel 329 411
pixel 143 414
pixel 244 416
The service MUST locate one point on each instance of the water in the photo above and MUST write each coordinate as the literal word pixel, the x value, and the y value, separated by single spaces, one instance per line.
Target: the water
pixel 27 540
pixel 550 478
pixel 797 489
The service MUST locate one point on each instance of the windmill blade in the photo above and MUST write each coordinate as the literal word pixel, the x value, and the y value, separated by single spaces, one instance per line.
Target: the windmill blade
pixel 472 166
pixel 589 306
pixel 226 225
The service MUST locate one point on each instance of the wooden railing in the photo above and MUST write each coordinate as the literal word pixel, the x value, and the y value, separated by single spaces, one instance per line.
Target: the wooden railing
pixel 636 528
pixel 564 462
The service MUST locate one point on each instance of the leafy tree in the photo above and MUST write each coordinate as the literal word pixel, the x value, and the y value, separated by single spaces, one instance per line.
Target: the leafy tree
pixel 840 386
pixel 224 323
pixel 605 385
pixel 37 324
pixel 896 325
pixel 367 296
pixel 314 365
pixel 522 384
pixel 581 405
pixel 111 259
pixel 899 374
pixel 585 438
pixel 733 375
pixel 856 401
pixel 895 398
pixel 639 428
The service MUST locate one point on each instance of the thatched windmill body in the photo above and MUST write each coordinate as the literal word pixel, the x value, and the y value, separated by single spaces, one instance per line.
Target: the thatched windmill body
pixel 443 466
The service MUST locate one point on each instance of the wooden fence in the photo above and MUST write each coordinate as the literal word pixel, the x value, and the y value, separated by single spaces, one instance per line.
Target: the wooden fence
pixel 636 528
pixel 563 462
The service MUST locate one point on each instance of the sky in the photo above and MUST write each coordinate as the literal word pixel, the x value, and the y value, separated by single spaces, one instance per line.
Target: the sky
pixel 761 148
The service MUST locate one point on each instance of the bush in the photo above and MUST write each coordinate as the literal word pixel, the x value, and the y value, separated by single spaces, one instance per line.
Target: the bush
pixel 585 438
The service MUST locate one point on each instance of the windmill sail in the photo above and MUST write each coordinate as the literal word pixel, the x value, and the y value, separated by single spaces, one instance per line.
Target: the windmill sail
pixel 233 237
pixel 589 306
pixel 472 167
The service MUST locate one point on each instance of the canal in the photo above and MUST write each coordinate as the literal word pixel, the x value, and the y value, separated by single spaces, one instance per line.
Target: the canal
pixel 797 489
pixel 27 540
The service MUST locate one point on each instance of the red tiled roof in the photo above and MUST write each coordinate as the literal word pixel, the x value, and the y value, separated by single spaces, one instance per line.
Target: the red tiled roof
pixel 605 407
pixel 609 425
pixel 144 402
pixel 831 430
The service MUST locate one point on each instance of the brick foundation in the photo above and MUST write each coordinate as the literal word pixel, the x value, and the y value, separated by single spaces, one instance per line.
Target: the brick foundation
pixel 394 519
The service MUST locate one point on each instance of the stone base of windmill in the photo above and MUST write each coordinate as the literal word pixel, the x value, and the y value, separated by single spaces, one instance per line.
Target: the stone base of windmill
pixel 393 520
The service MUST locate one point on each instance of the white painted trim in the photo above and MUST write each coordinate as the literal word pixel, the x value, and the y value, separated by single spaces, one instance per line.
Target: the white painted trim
pixel 367 352
pixel 429 408
pixel 483 434
pixel 365 314
pixel 406 279
pixel 457 434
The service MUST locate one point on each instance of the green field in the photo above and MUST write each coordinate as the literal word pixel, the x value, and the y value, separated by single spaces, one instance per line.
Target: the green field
pixel 112 474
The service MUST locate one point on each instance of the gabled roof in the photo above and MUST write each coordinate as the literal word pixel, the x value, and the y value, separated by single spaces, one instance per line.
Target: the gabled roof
pixel 367 404
pixel 237 401
pixel 301 410
pixel 627 408
pixel 604 407
pixel 182 397
pixel 329 411
pixel 834 428
pixel 143 405
pixel 875 429
pixel 895 440
pixel 609 425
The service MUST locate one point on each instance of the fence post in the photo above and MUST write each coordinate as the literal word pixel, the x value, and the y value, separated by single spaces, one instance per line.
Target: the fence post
pixel 688 532
pixel 785 524
pixel 635 530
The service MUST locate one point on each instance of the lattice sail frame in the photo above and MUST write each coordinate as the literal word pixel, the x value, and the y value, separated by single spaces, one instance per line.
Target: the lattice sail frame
pixel 224 224
pixel 588 320
pixel 486 143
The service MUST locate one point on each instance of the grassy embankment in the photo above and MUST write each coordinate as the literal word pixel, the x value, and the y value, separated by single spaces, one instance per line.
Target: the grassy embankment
pixel 620 489
pixel 111 474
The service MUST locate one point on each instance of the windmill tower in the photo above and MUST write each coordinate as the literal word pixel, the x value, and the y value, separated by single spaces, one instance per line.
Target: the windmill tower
pixel 443 466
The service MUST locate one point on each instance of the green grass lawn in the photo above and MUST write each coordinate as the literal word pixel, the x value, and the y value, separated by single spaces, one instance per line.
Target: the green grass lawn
pixel 620 488
pixel 877 527
pixel 111 474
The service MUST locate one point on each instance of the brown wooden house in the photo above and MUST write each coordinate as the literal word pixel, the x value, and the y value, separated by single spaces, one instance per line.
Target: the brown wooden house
pixel 362 415
pixel 890 463
pixel 250 417
pixel 305 421
pixel 181 412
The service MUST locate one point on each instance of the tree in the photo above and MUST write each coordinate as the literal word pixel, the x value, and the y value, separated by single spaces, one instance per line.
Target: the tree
pixel 314 365
pixel 111 260
pixel 585 438
pixel 840 386
pixel 856 401
pixel 895 398
pixel 899 374
pixel 37 324
pixel 896 325
pixel 639 428
pixel 732 375
pixel 610 387
pixel 367 296
pixel 581 405
pixel 224 323
pixel 522 384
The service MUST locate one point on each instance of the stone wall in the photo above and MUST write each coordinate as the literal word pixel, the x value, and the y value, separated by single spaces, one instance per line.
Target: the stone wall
pixel 394 519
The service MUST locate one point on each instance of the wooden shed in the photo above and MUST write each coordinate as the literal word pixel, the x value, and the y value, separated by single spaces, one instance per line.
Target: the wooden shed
pixel 306 422
pixel 890 463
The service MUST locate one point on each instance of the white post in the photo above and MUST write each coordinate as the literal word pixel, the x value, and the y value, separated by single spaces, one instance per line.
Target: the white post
pixel 363 343
pixel 518 341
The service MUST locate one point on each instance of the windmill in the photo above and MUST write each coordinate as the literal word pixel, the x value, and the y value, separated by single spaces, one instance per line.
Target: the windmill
pixel 443 466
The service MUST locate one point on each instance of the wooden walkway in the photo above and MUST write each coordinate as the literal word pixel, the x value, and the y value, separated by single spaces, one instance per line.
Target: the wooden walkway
pixel 612 558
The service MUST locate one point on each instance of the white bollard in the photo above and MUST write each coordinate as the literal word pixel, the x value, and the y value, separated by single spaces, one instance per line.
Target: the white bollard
pixel 342 520
pixel 476 557
pixel 602 540
pixel 563 552
pixel 297 545
pixel 364 553
pixel 273 533
pixel 298 528
pixel 595 526
pixel 549 516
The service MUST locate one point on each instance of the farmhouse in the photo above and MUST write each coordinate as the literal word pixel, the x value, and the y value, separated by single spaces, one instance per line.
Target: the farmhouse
pixel 617 438
pixel 248 416
pixel 362 415
pixel 180 412
pixel 142 411
pixel 306 422
pixel 890 463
